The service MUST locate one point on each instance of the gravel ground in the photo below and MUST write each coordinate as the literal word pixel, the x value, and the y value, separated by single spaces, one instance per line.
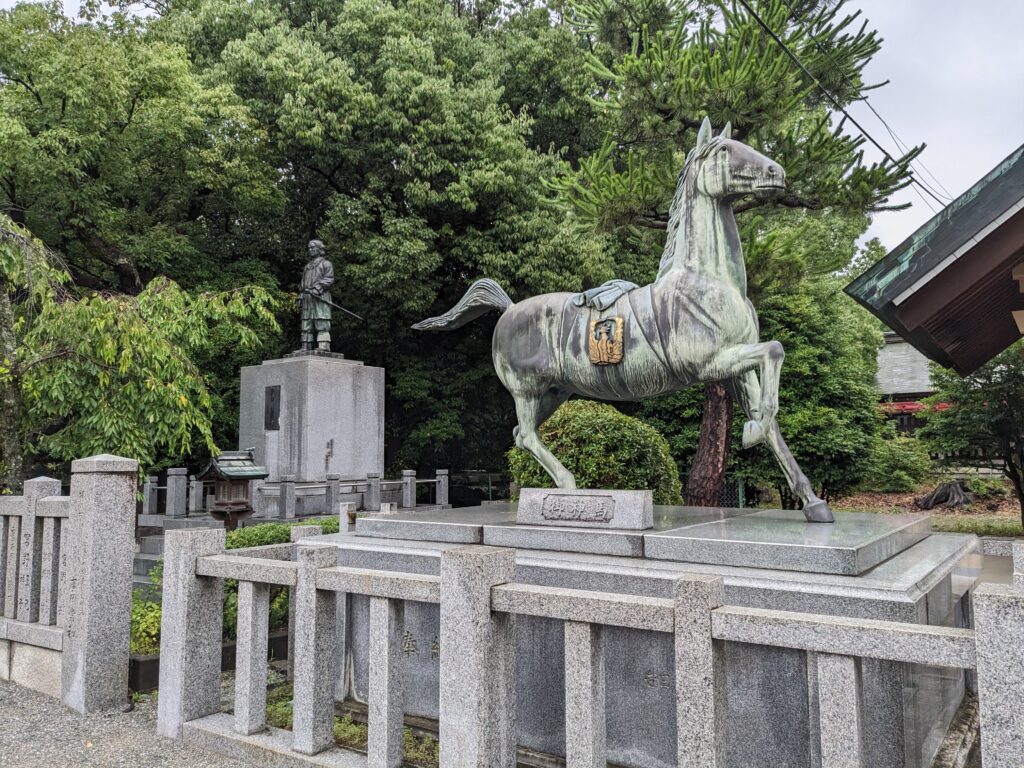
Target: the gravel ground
pixel 38 732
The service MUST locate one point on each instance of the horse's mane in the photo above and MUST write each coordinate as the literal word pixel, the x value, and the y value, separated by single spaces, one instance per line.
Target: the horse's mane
pixel 675 210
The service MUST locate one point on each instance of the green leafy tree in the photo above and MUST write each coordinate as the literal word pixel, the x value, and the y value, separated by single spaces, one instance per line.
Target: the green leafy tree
pixel 978 420
pixel 87 373
pixel 663 67
pixel 117 156
pixel 603 448
pixel 404 156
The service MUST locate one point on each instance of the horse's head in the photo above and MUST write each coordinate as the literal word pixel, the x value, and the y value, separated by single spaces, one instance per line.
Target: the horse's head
pixel 725 168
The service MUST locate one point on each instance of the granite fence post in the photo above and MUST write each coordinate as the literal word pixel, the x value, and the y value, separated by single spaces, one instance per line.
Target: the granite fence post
pixel 177 487
pixel 297 533
pixel 332 494
pixel 477 666
pixel 286 498
pixel 251 657
pixel 408 488
pixel 150 502
pixel 1018 564
pixel 313 702
pixel 585 731
pixel 94 661
pixel 839 711
pixel 999 627
pixel 441 496
pixel 700 678
pixel 371 502
pixel 195 495
pixel 30 554
pixel 191 631
pixel 386 695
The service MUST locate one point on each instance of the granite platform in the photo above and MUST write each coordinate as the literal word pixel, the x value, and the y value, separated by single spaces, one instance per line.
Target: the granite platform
pixel 771 692
pixel 777 538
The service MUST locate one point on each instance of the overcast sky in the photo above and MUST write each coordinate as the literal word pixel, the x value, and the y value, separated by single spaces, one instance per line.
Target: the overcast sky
pixel 956 70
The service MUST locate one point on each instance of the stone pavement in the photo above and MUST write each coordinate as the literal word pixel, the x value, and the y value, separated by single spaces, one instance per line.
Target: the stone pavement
pixel 38 732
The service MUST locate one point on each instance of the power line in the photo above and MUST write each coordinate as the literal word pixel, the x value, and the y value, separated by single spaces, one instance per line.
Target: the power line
pixel 832 98
pixel 901 145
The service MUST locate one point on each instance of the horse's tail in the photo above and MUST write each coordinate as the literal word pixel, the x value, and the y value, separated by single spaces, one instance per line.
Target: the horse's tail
pixel 482 296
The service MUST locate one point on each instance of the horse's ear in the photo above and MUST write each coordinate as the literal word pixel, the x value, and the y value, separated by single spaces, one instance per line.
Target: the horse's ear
pixel 727 131
pixel 704 134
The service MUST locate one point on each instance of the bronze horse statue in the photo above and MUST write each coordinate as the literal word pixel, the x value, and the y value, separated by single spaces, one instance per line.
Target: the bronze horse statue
pixel 693 324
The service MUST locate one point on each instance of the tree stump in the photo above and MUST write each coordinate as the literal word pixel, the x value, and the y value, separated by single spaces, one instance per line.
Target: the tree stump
pixel 950 495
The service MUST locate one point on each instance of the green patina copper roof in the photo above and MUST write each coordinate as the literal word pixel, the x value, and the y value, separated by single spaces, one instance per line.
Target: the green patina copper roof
pixel 947 232
pixel 235 465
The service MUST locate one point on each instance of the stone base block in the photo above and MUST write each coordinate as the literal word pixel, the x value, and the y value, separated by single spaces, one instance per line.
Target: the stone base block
pixel 586 508
pixel 313 415
pixel 783 540
pixel 269 749
pixel 35 668
pixel 5 660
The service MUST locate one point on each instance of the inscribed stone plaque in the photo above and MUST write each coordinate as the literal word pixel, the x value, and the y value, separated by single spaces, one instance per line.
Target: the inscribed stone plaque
pixel 588 508
pixel 272 408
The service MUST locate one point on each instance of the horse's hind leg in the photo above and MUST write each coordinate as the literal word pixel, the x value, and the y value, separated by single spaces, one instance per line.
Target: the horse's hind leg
pixel 747 390
pixel 532 410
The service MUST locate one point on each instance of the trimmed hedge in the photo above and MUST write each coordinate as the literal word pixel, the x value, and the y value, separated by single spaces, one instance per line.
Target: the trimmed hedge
pixel 603 448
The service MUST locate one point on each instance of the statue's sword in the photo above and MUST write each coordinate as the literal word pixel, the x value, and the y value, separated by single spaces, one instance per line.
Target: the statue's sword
pixel 336 306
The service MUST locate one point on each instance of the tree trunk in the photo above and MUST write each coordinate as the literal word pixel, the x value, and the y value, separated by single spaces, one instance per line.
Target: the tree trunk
pixel 708 468
pixel 12 457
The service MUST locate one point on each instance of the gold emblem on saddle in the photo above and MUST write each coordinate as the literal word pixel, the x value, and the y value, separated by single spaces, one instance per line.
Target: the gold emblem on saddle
pixel 605 341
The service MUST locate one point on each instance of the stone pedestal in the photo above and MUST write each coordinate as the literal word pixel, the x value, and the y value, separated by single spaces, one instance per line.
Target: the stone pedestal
pixel 310 416
pixel 771 692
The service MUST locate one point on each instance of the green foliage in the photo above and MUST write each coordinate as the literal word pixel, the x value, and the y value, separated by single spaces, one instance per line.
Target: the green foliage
pixel 418 172
pixel 986 488
pixel 978 525
pixel 603 448
pixel 116 153
pixel 983 424
pixel 145 625
pixel 898 464
pixel 114 373
pixel 421 750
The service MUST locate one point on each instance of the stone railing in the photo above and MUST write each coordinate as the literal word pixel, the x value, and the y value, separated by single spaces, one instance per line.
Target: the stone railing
pixel 183 495
pixel 478 600
pixel 65 584
pixel 287 498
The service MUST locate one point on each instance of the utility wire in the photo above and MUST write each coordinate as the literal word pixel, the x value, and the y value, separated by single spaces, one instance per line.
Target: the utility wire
pixel 832 98
pixel 900 144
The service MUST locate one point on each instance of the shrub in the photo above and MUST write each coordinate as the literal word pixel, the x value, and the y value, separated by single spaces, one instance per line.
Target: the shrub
pixel 145 634
pixel 603 449
pixel 987 488
pixel 898 464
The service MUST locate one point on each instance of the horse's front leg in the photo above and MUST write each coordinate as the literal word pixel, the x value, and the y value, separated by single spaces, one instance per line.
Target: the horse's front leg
pixel 765 357
pixel 747 390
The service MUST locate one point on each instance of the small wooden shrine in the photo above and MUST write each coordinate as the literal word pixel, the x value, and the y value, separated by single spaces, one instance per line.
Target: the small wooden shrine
pixel 233 473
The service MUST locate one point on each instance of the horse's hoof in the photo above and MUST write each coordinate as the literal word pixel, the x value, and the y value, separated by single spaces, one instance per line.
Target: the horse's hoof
pixel 818 512
pixel 752 434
